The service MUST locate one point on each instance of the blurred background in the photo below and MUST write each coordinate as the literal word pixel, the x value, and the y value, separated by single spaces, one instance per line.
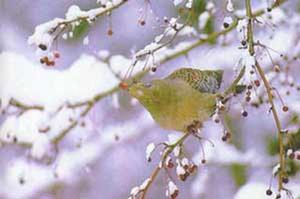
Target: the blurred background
pixel 104 156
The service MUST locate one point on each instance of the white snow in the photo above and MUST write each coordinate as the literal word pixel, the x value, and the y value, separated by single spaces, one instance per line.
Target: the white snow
pixel 252 190
pixel 229 6
pixel 34 85
pixel 86 41
pixel 145 184
pixel 177 2
pixel 180 170
pixel 41 147
pixel 203 17
pixel 189 4
pixel 43 32
pixel 150 148
pixel 172 188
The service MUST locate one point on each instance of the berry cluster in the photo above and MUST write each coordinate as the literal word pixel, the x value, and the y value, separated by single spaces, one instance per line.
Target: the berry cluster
pixel 50 60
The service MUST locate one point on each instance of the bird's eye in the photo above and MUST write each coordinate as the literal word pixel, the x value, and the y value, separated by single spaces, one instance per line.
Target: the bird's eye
pixel 148 85
pixel 134 81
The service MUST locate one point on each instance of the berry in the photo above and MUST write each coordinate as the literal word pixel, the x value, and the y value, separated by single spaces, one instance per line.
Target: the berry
pixel 192 168
pixel 56 54
pixel 42 46
pixel 42 61
pixel 175 194
pixel 184 176
pixel 203 161
pixel 21 181
pixel 142 22
pixel 225 25
pixel 257 82
pixel 243 42
pixel 228 134
pixel 153 69
pixel 50 63
pixel 170 164
pixel 269 192
pixel 123 85
pixel 110 32
pixel 244 113
pixel 249 87
pixel 269 9
pixel 292 155
pixel 285 180
pixel 285 108
pixel 248 99
pixel 166 20
pixel 224 138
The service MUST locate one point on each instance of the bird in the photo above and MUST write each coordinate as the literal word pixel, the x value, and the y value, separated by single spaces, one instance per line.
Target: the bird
pixel 184 99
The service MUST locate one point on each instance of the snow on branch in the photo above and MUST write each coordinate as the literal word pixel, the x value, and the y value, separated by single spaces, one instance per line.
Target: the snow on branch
pixel 77 103
pixel 47 32
pixel 64 86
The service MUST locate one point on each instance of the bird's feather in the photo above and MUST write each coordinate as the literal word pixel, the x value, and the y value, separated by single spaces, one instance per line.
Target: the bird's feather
pixel 201 80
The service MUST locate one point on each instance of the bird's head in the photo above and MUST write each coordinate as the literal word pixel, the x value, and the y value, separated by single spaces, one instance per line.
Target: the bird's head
pixel 141 90
pixel 149 94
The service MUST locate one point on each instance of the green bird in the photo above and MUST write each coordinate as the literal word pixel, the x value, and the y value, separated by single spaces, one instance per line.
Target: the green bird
pixel 186 98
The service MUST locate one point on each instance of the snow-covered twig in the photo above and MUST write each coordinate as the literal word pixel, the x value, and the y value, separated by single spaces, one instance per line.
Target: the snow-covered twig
pixel 47 32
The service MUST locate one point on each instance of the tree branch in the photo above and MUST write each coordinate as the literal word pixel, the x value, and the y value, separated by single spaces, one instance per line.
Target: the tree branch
pixel 269 93
pixel 175 54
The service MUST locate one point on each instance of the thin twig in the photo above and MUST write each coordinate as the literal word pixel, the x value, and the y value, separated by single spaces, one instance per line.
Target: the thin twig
pixel 161 165
pixel 278 125
pixel 269 93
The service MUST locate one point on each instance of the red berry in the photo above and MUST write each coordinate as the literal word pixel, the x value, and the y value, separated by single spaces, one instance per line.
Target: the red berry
pixel 228 134
pixel 142 22
pixel 51 63
pixel 285 108
pixel 192 168
pixel 292 155
pixel 257 83
pixel 110 32
pixel 56 54
pixel 123 85
pixel 42 61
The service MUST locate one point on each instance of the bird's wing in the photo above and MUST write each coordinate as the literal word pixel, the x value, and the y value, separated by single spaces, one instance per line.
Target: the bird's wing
pixel 202 80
